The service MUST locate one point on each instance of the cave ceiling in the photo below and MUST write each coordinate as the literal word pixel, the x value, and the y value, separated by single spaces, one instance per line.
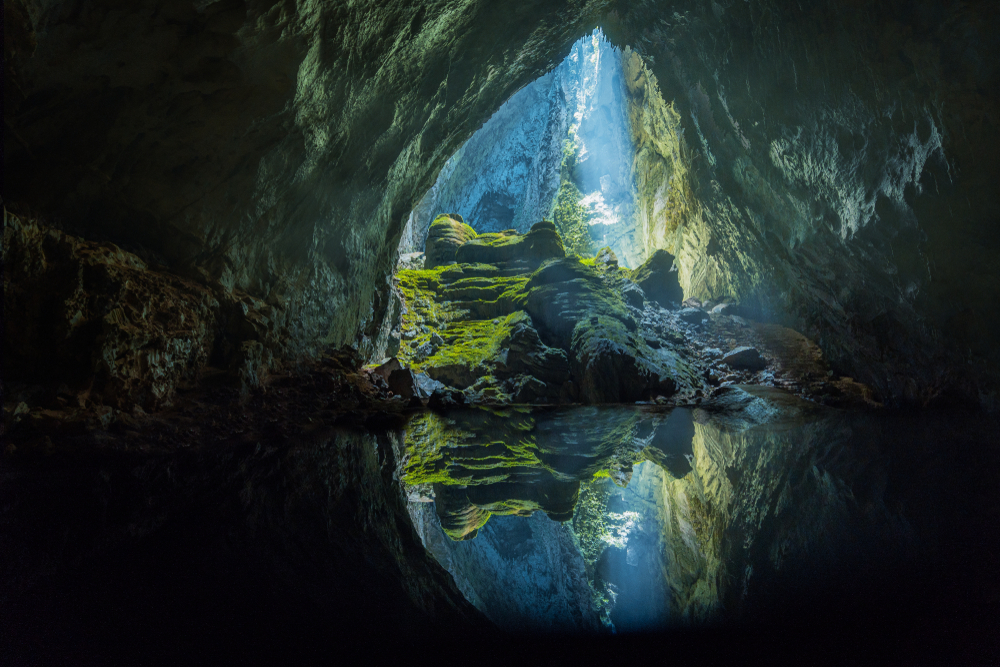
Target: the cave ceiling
pixel 839 157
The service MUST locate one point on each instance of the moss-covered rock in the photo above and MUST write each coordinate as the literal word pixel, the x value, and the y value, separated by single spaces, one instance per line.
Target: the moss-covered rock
pixel 542 242
pixel 445 236
pixel 565 330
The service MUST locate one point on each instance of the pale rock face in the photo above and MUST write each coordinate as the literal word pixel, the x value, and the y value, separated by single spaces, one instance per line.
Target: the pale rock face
pixel 523 573
pixel 507 175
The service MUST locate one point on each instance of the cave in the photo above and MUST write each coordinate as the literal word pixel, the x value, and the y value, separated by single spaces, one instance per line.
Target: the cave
pixel 511 330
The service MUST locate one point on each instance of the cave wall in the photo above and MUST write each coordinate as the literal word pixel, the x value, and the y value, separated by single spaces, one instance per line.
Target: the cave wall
pixel 274 148
pixel 840 156
pixel 836 154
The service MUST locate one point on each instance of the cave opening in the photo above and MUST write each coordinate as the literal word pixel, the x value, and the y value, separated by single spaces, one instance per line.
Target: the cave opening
pixel 562 149
pixel 340 328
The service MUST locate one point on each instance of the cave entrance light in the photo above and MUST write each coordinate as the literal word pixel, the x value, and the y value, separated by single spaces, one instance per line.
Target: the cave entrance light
pixel 560 149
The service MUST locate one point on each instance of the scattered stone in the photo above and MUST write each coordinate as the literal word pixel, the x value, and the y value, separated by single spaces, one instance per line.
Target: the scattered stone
pixel 747 358
pixel 692 303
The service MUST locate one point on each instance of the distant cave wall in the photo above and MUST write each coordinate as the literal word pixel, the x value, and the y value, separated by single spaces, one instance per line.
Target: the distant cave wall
pixel 506 175
pixel 841 156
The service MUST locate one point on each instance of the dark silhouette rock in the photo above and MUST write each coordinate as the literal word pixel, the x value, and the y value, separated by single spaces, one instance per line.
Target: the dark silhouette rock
pixel 658 279
pixel 445 398
pixel 401 383
pixel 692 315
pixel 745 358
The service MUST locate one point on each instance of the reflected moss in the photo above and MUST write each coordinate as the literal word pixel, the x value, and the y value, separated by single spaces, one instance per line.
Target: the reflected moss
pixel 518 461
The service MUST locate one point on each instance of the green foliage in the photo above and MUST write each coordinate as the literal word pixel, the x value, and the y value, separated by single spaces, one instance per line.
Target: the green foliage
pixel 571 220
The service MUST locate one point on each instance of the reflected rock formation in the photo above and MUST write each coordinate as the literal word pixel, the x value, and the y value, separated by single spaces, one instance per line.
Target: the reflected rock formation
pixel 670 518
pixel 480 462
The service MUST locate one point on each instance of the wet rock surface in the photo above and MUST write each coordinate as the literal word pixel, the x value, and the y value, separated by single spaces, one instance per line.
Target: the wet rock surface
pixel 658 279
pixel 566 329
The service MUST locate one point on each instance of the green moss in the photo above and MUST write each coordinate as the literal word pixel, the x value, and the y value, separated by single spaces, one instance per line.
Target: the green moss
pixel 440 450
pixel 472 343
pixel 451 226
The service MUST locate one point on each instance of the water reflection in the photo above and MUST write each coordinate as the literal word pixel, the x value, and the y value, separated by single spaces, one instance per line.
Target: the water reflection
pixel 585 520
pixel 630 519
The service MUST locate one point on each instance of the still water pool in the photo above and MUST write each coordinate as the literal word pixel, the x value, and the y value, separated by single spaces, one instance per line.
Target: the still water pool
pixel 598 522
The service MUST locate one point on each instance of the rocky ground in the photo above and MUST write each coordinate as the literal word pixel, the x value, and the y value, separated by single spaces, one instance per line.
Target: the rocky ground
pixel 506 318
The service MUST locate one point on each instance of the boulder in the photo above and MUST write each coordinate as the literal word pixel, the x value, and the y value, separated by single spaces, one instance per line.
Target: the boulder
pixel 564 292
pixel 527 354
pixel 659 280
pixel 611 366
pixel 424 385
pixel 401 383
pixel 633 295
pixel 692 315
pixel 445 398
pixel 745 358
pixel 445 236
pixel 606 257
pixel 529 389
pixel 387 366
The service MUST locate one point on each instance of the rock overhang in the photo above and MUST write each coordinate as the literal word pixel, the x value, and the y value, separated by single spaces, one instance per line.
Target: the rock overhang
pixel 279 157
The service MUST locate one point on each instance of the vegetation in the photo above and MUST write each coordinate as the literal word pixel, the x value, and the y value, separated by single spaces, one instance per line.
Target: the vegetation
pixel 571 220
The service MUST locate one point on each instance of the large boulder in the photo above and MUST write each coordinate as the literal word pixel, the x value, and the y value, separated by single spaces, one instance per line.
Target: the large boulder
pixel 659 280
pixel 576 310
pixel 745 358
pixel 526 353
pixel 613 365
pixel 564 292
pixel 445 236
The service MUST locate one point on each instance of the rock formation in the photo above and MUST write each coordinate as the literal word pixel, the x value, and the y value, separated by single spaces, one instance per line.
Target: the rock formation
pixel 831 175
